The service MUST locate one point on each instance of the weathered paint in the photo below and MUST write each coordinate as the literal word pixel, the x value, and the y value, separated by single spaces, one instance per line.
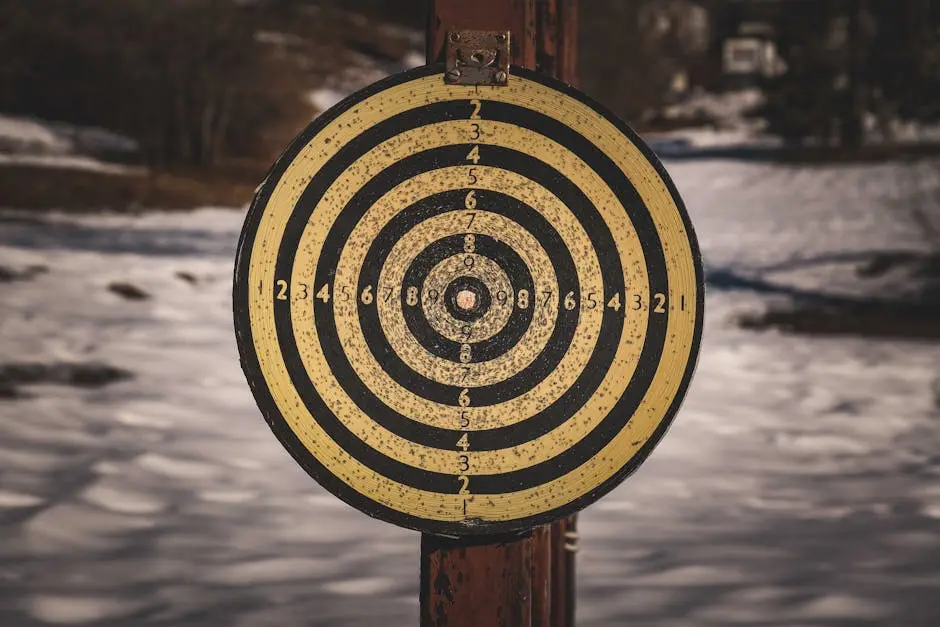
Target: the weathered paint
pixel 523 411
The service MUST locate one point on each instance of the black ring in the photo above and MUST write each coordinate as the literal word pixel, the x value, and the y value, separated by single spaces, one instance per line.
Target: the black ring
pixel 482 299
pixel 445 348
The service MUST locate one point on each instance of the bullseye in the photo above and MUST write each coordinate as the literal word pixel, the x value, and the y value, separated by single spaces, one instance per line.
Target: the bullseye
pixel 467 298
pixel 468 310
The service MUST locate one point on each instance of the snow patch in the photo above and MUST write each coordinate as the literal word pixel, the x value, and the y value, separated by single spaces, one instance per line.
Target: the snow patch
pixel 76 610
pixel 176 468
pixel 365 586
pixel 15 500
pixel 123 501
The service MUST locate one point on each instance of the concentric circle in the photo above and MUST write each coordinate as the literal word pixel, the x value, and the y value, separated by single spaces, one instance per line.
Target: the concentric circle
pixel 468 310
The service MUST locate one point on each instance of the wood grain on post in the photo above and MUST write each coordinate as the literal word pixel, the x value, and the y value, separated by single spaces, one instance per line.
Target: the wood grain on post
pixel 547 32
pixel 568 38
pixel 542 576
pixel 476 584
pixel 564 549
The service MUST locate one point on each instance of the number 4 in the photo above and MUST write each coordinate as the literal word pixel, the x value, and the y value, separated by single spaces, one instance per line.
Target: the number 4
pixel 474 155
pixel 614 303
pixel 463 443
pixel 324 293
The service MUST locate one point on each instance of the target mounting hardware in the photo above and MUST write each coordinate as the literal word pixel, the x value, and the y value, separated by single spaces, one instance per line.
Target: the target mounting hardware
pixel 477 57
pixel 468 309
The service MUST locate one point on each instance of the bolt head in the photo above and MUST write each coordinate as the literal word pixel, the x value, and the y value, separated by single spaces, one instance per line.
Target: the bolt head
pixel 455 36
pixel 501 77
pixel 453 75
pixel 501 37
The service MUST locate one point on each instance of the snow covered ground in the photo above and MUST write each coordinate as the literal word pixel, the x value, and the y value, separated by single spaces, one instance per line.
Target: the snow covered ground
pixel 799 486
pixel 39 143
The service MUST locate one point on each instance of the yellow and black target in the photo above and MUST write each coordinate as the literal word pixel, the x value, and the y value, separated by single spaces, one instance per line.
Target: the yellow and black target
pixel 468 310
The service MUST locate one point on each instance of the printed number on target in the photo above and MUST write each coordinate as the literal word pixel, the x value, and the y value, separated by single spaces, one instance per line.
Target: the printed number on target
pixel 468 310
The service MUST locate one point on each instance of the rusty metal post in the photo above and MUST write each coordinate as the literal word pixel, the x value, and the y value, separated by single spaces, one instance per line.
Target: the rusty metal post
pixel 525 581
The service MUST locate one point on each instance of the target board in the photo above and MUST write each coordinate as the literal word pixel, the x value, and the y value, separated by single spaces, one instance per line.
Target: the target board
pixel 468 310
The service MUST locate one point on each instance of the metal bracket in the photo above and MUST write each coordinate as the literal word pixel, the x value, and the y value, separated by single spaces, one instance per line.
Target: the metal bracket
pixel 477 57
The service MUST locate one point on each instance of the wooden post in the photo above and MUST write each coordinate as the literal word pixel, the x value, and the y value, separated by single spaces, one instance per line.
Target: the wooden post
pixel 564 548
pixel 525 581
pixel 476 583
pixel 542 576
pixel 516 16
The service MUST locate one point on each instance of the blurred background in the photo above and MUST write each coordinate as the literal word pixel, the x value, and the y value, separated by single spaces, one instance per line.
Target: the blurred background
pixel 800 484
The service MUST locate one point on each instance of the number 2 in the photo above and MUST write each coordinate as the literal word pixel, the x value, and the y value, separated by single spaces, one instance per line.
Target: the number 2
pixel 477 105
pixel 660 303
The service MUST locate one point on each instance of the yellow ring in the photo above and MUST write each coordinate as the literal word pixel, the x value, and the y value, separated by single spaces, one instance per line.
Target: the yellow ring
pixel 486 271
pixel 348 325
pixel 413 353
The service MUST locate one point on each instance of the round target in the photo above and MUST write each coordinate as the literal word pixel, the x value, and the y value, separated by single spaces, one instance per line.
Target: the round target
pixel 468 310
